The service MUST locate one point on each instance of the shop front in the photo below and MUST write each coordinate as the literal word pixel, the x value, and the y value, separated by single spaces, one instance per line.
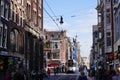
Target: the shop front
pixel 9 64
pixel 53 65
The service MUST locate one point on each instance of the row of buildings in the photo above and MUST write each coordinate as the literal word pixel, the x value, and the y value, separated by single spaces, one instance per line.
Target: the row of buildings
pixel 105 51
pixel 58 49
pixel 21 29
pixel 25 45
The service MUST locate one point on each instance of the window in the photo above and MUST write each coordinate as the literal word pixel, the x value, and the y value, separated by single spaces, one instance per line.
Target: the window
pixel 56 56
pixel 39 20
pixel 12 11
pixel 108 34
pixel 56 45
pixel 95 34
pixel 108 41
pixel 2 8
pixel 1 33
pixel 28 11
pixel 15 13
pixel 6 11
pixel 20 17
pixel 48 55
pixel 14 40
pixel 108 19
pixel 5 37
pixel 35 17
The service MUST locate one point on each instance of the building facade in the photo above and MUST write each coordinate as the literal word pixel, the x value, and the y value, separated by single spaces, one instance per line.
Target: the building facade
pixel 4 32
pixel 21 35
pixel 108 29
pixel 55 49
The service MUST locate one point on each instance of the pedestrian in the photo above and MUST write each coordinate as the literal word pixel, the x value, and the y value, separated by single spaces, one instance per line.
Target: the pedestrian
pixel 82 76
pixel 91 76
pixel 18 75
pixel 48 72
pixel 114 77
pixel 8 76
pixel 55 70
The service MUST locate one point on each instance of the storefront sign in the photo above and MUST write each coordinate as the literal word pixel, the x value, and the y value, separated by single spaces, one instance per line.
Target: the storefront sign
pixel 4 53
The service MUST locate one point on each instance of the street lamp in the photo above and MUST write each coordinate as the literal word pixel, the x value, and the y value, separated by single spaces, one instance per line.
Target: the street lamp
pixel 61 20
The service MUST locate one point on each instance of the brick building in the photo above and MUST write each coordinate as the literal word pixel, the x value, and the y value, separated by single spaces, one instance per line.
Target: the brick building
pixel 21 24
pixel 55 48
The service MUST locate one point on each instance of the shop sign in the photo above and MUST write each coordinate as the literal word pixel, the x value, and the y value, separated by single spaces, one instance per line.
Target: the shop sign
pixel 4 53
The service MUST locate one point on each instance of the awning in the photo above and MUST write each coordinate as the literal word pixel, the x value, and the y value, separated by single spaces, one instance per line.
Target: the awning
pixel 53 64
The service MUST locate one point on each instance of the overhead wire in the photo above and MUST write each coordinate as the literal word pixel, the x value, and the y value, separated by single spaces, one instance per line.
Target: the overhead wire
pixel 51 18
pixel 50 8
pixel 52 13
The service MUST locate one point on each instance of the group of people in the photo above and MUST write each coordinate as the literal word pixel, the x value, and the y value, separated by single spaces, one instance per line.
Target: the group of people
pixel 100 74
pixel 18 74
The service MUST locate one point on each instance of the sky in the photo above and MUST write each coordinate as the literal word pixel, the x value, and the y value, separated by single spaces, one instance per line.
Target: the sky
pixel 78 16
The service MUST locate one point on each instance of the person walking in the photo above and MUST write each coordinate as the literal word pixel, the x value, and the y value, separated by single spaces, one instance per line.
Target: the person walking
pixel 55 70
pixel 48 72
pixel 82 76
pixel 90 76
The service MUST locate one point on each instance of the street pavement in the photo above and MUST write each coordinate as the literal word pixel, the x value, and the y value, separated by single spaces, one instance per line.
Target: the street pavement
pixel 63 76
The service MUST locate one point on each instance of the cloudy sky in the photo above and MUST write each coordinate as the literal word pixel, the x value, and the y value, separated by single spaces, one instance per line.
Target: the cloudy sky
pixel 78 17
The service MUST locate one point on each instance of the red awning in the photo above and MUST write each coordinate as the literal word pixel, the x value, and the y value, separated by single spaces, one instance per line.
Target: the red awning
pixel 53 64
